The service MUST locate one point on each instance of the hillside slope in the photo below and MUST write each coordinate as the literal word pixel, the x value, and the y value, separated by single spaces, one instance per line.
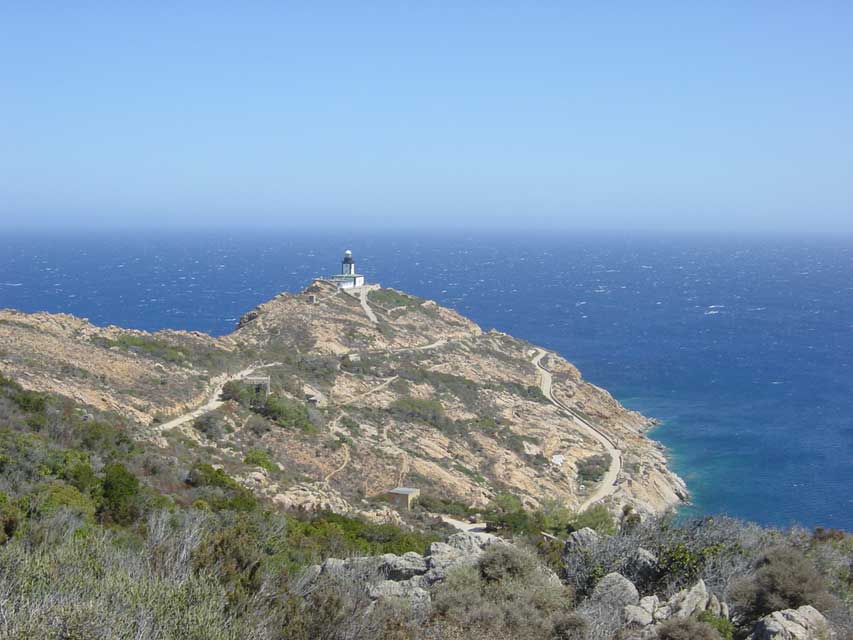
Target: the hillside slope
pixel 411 393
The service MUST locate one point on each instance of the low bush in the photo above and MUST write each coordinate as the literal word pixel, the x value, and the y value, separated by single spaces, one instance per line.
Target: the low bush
pixel 596 517
pixel 721 625
pixel 147 346
pixel 56 495
pixel 391 299
pixel 260 458
pixel 120 495
pixel 211 425
pixel 435 504
pixel 592 469
pixel 10 518
pixel 286 413
pixel 219 490
pixel 686 629
pixel 507 593
pixel 429 412
pixel 783 579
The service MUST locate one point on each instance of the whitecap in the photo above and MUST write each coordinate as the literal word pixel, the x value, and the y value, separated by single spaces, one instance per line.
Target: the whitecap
pixel 11 284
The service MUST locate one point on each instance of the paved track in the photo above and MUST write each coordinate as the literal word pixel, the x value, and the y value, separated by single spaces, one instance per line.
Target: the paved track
pixel 607 486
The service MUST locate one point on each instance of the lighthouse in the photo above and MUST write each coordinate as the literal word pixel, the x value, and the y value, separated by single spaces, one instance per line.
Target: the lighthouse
pixel 347 264
pixel 348 277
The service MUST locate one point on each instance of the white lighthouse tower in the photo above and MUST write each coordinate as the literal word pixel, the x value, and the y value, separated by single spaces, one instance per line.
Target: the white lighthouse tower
pixel 348 277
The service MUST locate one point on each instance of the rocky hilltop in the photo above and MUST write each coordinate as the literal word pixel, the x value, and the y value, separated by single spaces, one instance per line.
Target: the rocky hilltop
pixel 369 390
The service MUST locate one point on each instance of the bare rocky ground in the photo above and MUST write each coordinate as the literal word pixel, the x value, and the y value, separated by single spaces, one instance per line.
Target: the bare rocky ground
pixel 421 397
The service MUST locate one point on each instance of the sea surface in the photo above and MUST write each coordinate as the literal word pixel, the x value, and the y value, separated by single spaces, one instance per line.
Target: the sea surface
pixel 742 347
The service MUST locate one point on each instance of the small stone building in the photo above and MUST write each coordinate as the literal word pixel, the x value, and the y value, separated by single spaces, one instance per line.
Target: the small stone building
pixel 403 497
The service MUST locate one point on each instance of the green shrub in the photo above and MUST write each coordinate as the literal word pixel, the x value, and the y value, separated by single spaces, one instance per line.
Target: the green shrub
pixel 681 560
pixel 56 495
pixel 147 346
pixel 783 579
pixel 234 555
pixel 219 490
pixel 595 517
pixel 211 425
pixel 435 504
pixel 503 562
pixel 552 516
pixel 430 411
pixel 10 518
pixel 506 593
pixel 592 469
pixel 120 494
pixel 720 624
pixel 311 540
pixel 351 425
pixel 506 513
pixel 286 413
pixel 79 473
pixel 30 401
pixel 260 458
pixel 204 475
pixel 686 629
pixel 391 299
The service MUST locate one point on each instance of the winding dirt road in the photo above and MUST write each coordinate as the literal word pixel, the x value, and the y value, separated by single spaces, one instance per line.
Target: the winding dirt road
pixel 607 486
pixel 362 297
pixel 214 402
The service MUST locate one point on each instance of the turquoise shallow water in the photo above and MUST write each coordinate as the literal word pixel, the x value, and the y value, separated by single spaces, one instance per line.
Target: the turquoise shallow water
pixel 741 347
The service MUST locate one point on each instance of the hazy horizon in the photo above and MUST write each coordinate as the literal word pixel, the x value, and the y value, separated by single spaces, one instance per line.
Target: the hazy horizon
pixel 665 117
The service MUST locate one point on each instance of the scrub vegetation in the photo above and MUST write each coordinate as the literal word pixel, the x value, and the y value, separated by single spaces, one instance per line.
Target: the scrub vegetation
pixel 103 537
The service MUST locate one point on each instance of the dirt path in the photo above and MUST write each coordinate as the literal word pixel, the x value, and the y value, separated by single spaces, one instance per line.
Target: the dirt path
pixel 342 466
pixel 214 402
pixel 473 527
pixel 607 486
pixel 378 387
pixel 362 297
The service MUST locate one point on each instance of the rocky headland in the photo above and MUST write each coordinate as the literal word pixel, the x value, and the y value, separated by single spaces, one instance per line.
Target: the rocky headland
pixel 411 393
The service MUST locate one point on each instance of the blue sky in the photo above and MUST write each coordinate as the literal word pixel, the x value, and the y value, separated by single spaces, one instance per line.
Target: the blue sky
pixel 681 115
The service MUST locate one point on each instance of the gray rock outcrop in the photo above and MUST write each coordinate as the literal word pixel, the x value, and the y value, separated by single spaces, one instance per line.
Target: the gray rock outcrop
pixel 407 576
pixel 650 611
pixel 585 538
pixel 805 623
pixel 642 566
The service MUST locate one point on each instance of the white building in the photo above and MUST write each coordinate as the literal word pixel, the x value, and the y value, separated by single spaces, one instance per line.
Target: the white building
pixel 348 277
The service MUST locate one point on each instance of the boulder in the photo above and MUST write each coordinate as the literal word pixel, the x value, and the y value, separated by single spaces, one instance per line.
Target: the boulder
pixel 650 603
pixel 585 538
pixel 405 590
pixel 472 543
pixel 714 607
pixel 636 616
pixel 642 565
pixel 615 591
pixel 406 566
pixel 461 549
pixel 689 601
pixel 805 623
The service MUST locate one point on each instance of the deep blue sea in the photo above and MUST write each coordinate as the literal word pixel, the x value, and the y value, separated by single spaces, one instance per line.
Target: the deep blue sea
pixel 742 347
